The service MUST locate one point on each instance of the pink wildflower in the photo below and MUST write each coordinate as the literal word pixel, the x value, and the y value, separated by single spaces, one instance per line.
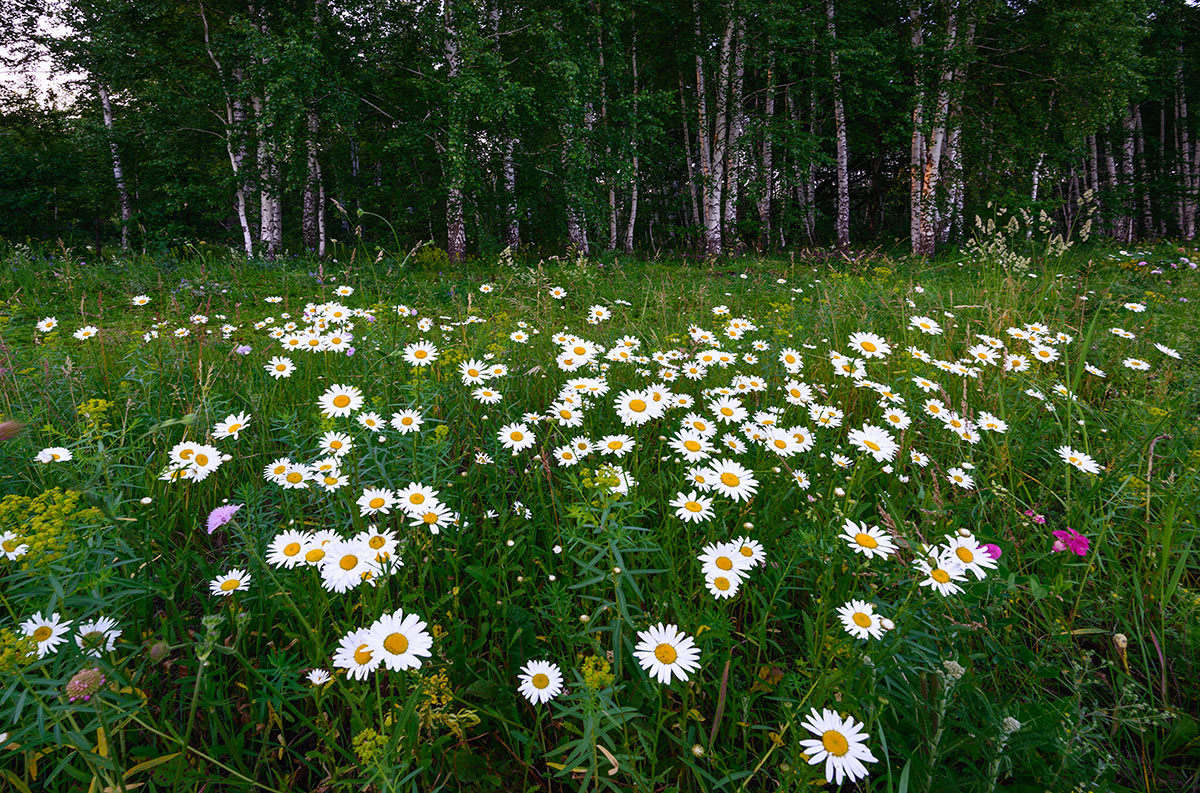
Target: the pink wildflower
pixel 1071 540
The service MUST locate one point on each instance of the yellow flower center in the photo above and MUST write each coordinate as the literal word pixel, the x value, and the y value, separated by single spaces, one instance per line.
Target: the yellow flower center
pixel 780 444
pixel 965 554
pixel 291 549
pixel 872 445
pixel 376 503
pixel 9 545
pixel 362 655
pixel 430 517
pixel 315 555
pixel 614 445
pixel 665 653
pixel 396 643
pixel 42 633
pixel 421 354
pixel 861 620
pixel 233 427
pixel 376 542
pixel 230 584
pixel 866 540
pixel 869 346
pixel 295 477
pixel 694 506
pixel 406 421
pixel 835 743
pixel 722 583
pixel 724 562
pixel 341 401
pixel 579 350
pixel 692 446
pixel 730 480
pixel 637 406
pixel 540 680
pixel 940 575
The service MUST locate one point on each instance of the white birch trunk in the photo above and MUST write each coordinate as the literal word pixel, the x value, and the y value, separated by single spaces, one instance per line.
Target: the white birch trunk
pixel 126 206
pixel 842 220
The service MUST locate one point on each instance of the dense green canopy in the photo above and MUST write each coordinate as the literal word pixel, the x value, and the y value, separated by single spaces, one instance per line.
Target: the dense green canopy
pixel 710 126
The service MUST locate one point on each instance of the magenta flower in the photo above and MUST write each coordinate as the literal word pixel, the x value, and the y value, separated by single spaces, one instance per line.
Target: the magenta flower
pixel 243 349
pixel 221 515
pixel 1071 540
pixel 992 550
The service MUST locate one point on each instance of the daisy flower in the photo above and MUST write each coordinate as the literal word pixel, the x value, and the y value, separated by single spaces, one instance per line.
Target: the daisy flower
pixel 540 681
pixel 280 367
pixel 86 332
pixel 318 677
pixel 416 497
pixel 286 549
pixel 47 633
pixel 232 581
pixel 347 563
pixel 691 445
pixel 876 441
pixel 11 547
pixel 723 585
pixel 375 500
pixel 1093 370
pixel 1167 351
pixel 869 345
pixel 751 551
pixel 47 324
pixel 1083 462
pixel 723 557
pixel 420 353
pixel 1136 364
pixel 340 400
pixel 840 744
pixel 860 620
pixel 54 454
pixel 870 541
pixel 925 325
pixel 516 437
pixel 665 652
pixel 692 507
pixel 943 574
pixel 961 478
pixel 971 555
pixel 98 636
pixel 635 408
pixel 733 480
pixel 400 640
pixel 435 517
pixel 231 426
pixel 406 421
pixel 355 654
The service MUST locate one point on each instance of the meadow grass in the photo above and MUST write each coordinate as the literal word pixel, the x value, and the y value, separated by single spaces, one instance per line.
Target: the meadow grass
pixel 1054 672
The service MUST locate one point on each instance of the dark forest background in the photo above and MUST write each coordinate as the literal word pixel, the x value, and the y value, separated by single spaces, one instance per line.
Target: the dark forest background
pixel 651 125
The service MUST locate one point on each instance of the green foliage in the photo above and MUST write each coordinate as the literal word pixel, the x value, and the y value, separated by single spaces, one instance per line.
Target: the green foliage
pixel 1056 672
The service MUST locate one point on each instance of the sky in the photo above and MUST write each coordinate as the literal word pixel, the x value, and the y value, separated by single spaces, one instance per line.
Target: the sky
pixel 45 79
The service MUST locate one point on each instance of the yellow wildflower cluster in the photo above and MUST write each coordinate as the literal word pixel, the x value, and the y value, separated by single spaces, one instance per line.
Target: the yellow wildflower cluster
pixel 437 689
pixel 46 522
pixel 597 672
pixel 93 412
pixel 368 744
pixel 16 650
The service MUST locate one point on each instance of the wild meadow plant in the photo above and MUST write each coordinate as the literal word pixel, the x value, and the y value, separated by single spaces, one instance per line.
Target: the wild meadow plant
pixel 751 525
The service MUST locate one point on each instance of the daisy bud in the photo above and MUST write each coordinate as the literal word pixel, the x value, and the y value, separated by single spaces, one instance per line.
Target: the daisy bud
pixel 747 525
pixel 584 618
pixel 147 500
pixel 553 578
pixel 159 650
pixel 616 571
pixel 839 492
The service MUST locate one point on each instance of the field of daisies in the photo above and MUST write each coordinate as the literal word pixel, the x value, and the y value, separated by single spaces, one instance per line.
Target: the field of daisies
pixel 743 526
